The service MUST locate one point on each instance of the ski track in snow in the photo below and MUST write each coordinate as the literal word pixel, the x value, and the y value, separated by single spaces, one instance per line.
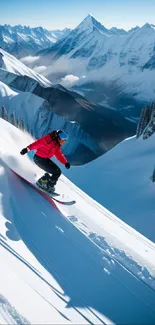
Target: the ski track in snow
pixel 8 314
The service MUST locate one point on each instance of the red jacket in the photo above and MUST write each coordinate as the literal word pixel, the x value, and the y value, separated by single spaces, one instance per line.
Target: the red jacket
pixel 46 148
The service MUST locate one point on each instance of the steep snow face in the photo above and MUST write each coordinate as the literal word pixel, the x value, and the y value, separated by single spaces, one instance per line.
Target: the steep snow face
pixel 139 46
pixel 8 63
pixel 39 119
pixel 122 182
pixel 66 264
pixel 23 40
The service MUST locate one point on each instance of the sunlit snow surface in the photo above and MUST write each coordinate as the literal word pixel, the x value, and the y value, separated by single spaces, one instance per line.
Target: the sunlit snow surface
pixel 77 264
pixel 11 64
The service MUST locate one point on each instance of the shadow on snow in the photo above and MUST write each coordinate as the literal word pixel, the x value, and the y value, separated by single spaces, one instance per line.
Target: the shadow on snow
pixel 75 262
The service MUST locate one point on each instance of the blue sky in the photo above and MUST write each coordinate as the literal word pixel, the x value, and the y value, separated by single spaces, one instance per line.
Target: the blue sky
pixel 58 14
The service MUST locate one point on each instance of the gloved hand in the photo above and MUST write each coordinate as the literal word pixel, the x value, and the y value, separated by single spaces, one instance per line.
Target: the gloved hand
pixel 67 165
pixel 24 151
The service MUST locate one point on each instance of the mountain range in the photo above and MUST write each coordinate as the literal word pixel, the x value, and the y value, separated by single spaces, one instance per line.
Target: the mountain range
pixel 108 66
pixel 22 41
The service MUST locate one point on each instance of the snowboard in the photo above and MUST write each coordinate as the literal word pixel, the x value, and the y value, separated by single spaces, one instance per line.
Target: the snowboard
pixel 57 197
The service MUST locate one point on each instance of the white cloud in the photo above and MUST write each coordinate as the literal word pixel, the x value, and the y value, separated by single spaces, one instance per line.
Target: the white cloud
pixel 30 60
pixel 69 80
pixel 41 69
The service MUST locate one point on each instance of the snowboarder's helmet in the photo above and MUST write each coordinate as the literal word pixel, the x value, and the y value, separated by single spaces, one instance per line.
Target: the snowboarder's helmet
pixel 62 135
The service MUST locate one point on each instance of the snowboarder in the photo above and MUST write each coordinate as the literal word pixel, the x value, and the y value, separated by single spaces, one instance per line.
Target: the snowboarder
pixel 47 147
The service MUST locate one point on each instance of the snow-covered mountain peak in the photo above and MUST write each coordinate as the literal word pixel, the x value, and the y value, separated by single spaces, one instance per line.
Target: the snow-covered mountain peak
pixel 147 25
pixel 40 28
pixel 142 38
pixel 152 26
pixel 133 29
pixel 86 24
pixel 89 16
pixel 89 23
pixel 117 31
pixel 147 28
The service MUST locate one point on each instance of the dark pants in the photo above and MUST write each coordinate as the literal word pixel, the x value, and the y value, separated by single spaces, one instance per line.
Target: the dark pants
pixel 48 166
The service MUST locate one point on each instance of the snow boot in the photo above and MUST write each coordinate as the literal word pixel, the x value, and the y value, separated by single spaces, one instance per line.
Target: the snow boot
pixel 43 181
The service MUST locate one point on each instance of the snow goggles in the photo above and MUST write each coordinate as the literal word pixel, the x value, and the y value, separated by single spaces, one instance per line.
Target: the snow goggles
pixel 62 135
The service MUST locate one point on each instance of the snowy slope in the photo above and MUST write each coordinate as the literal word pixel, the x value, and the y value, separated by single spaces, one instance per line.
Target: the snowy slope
pixel 8 63
pixel 77 264
pixel 123 179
